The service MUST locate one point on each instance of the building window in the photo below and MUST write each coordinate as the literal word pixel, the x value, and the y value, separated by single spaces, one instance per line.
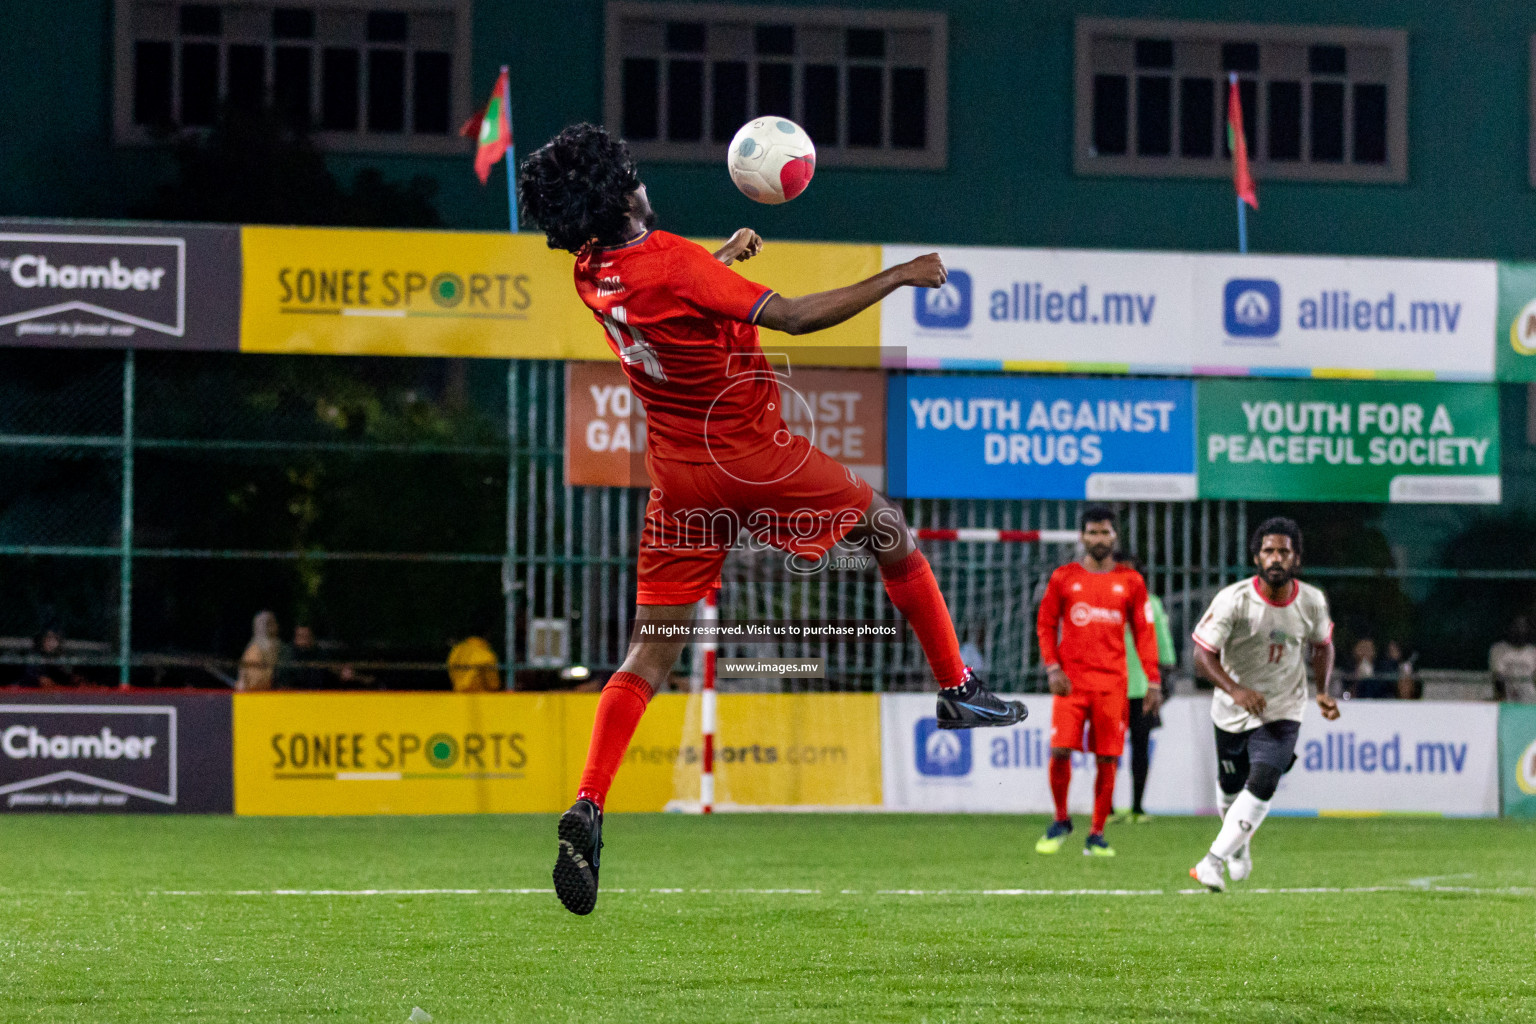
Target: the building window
pixel 1531 132
pixel 1319 103
pixel 868 86
pixel 357 77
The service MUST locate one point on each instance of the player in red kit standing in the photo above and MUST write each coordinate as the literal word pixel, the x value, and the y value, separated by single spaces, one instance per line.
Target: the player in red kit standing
pixel 1082 645
pixel 719 455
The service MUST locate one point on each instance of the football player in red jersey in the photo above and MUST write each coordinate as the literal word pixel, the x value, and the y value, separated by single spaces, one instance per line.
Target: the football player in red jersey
pixel 1082 645
pixel 719 455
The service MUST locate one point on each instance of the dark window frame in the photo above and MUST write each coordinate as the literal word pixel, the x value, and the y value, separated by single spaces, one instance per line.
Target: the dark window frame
pixel 438 53
pixel 1107 46
pixel 908 47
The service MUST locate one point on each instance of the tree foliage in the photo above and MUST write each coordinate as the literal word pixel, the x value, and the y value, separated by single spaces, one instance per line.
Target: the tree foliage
pixel 253 168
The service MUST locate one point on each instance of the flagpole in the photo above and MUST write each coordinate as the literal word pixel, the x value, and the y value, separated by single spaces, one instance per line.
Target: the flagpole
pixel 1242 207
pixel 506 100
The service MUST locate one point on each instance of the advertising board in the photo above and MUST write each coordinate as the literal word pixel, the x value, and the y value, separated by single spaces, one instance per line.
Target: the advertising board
pixel 439 293
pixel 1515 335
pixel 1077 311
pixel 1005 770
pixel 840 411
pixel 1517 759
pixel 1041 437
pixel 1389 756
pixel 1327 316
pixel 1303 440
pixel 158 752
pixel 441 753
pixel 1044 311
pixel 398 753
pixel 1379 757
pixel 82 284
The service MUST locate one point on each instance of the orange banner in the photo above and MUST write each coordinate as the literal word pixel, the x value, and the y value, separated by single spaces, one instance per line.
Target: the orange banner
pixel 841 411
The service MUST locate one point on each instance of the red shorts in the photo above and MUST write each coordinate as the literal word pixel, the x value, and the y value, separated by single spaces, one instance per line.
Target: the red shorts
pixel 793 497
pixel 1105 713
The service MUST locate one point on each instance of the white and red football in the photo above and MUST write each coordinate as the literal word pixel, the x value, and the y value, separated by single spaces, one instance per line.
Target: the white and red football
pixel 771 160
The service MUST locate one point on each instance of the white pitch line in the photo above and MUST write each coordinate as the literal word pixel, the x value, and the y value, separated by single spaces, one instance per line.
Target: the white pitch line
pixel 1429 880
pixel 1285 891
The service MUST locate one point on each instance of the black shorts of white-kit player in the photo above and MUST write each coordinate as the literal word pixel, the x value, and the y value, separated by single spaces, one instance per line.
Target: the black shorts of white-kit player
pixel 1255 758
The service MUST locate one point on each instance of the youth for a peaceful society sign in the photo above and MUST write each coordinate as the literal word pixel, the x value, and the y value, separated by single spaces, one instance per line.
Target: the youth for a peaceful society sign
pixel 1307 440
pixel 1013 437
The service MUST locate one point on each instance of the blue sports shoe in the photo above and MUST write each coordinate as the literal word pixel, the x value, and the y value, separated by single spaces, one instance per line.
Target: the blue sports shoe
pixel 1098 846
pixel 1051 841
pixel 971 705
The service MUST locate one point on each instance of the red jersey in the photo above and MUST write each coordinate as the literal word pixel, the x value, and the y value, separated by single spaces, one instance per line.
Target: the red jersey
pixel 1090 611
pixel 684 325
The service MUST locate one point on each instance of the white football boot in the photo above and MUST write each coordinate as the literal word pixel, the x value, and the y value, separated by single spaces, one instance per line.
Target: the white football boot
pixel 1240 864
pixel 1208 874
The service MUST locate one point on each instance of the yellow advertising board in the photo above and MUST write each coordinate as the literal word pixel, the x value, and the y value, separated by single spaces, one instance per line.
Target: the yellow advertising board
pixel 397 753
pixel 771 750
pixel 331 291
pixel 465 753
pixel 813 750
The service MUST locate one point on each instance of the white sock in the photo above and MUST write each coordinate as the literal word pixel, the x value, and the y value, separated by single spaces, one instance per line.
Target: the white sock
pixel 1241 822
pixel 1224 800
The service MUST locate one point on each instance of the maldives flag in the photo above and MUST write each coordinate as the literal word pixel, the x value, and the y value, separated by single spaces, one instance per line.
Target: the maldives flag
pixel 492 130
pixel 1237 143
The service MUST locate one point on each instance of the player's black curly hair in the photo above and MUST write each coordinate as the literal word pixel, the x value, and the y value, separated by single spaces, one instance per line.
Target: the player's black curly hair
pixel 576 187
pixel 1278 525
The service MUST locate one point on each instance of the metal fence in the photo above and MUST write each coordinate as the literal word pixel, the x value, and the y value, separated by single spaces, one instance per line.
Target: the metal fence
pixel 573 554
pixel 151 503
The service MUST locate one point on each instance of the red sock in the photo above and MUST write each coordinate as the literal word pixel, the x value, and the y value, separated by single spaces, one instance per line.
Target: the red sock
pixel 1103 793
pixel 915 593
pixel 618 712
pixel 1061 778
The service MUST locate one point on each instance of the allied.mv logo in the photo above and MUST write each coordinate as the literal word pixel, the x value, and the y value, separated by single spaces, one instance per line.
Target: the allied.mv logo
pixel 1252 308
pixel 947 307
pixel 941 752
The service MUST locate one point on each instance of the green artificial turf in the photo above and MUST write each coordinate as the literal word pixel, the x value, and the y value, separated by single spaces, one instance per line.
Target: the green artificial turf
pixel 89 931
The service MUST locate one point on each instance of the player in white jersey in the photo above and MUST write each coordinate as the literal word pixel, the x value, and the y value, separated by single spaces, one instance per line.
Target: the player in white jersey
pixel 1255 643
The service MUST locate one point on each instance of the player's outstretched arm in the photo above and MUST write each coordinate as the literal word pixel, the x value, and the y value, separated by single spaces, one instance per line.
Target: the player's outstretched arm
pixel 821 310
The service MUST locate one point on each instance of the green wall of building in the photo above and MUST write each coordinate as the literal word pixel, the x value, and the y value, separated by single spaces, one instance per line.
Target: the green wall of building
pixel 1009 180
